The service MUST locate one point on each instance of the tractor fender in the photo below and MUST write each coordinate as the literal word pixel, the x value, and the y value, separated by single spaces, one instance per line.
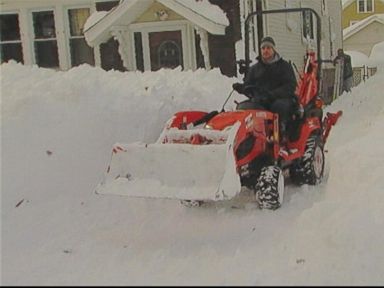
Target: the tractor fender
pixel 312 125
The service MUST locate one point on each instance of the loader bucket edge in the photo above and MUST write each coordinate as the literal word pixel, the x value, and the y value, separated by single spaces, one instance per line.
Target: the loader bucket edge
pixel 174 171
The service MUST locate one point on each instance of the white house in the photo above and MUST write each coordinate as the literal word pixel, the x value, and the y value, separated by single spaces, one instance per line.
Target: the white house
pixel 152 34
pixel 48 33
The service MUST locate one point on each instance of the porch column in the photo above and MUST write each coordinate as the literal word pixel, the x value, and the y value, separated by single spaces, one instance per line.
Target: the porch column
pixel 203 34
pixel 122 36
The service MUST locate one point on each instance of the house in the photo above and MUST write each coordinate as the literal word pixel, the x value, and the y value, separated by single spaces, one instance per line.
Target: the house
pixel 208 34
pixel 363 25
pixel 146 35
pixel 357 10
pixel 49 33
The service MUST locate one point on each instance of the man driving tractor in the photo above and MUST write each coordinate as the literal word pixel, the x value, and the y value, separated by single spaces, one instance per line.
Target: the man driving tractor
pixel 270 84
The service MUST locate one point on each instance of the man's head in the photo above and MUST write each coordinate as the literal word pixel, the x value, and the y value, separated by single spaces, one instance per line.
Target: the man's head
pixel 268 49
pixel 340 52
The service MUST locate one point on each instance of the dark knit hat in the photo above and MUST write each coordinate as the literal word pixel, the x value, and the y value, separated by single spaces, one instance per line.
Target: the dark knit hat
pixel 267 41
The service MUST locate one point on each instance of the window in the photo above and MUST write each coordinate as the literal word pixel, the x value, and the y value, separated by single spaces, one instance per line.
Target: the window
pixel 307 25
pixel 80 51
pixel 10 41
pixel 139 51
pixel 365 6
pixel 45 43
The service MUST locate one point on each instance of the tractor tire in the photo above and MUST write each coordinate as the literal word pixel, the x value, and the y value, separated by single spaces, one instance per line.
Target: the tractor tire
pixel 310 169
pixel 270 188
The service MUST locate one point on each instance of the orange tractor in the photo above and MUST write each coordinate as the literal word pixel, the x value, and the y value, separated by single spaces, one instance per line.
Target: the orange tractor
pixel 209 156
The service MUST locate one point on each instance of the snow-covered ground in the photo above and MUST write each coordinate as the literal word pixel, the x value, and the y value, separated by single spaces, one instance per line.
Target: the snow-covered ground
pixel 57 132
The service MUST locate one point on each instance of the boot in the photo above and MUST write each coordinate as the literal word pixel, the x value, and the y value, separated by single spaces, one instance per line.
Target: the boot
pixel 283 140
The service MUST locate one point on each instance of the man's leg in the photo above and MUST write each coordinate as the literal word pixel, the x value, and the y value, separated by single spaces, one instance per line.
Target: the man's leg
pixel 347 83
pixel 283 107
pixel 248 104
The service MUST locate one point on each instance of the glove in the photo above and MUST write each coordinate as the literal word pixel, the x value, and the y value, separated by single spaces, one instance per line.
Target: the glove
pixel 239 87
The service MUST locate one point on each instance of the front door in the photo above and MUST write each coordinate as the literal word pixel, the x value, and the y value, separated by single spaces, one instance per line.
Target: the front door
pixel 166 50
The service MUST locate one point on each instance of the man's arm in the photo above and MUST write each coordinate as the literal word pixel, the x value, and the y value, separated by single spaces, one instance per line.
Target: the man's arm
pixel 249 87
pixel 335 60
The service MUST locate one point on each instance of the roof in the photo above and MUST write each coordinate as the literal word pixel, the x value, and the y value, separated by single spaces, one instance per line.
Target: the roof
pixel 353 29
pixel 202 13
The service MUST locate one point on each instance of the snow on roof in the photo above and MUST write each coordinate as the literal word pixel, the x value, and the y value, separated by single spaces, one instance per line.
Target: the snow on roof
pixel 200 12
pixel 94 18
pixel 206 9
pixel 350 30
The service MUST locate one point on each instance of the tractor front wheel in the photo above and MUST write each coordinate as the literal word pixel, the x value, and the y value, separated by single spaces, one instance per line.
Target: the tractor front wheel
pixel 270 188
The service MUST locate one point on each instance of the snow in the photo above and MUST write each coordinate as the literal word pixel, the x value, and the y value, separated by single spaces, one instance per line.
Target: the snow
pixel 202 7
pixel 358 59
pixel 58 129
pixel 94 18
pixel 208 10
pixel 377 54
pixel 376 58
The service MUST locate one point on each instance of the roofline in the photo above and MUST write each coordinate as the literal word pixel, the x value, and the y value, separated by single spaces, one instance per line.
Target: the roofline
pixel 198 19
pixel 347 3
pixel 99 32
pixel 362 24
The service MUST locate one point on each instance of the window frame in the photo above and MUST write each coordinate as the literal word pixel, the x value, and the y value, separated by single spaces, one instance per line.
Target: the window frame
pixel 67 32
pixel 33 34
pixel 19 41
pixel 312 26
pixel 365 6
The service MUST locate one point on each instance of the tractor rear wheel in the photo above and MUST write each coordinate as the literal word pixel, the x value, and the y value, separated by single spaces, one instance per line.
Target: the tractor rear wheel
pixel 310 168
pixel 270 188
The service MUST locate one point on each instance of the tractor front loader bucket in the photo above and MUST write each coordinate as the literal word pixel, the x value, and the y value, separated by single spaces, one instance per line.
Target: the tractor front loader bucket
pixel 173 170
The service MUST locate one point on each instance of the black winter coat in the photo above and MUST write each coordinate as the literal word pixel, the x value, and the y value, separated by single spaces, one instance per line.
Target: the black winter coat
pixel 277 78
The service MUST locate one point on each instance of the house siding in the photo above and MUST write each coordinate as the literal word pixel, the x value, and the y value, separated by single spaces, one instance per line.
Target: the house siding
pixel 287 29
pixel 24 10
pixel 289 42
pixel 366 38
pixel 149 15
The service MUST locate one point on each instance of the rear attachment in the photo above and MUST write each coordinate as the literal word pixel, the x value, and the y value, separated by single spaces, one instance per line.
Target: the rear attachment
pixel 174 168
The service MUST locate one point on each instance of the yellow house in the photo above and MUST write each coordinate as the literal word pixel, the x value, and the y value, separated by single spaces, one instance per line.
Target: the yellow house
pixel 363 25
pixel 356 10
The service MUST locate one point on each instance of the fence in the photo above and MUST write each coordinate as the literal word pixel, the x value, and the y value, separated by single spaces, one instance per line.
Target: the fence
pixel 362 73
